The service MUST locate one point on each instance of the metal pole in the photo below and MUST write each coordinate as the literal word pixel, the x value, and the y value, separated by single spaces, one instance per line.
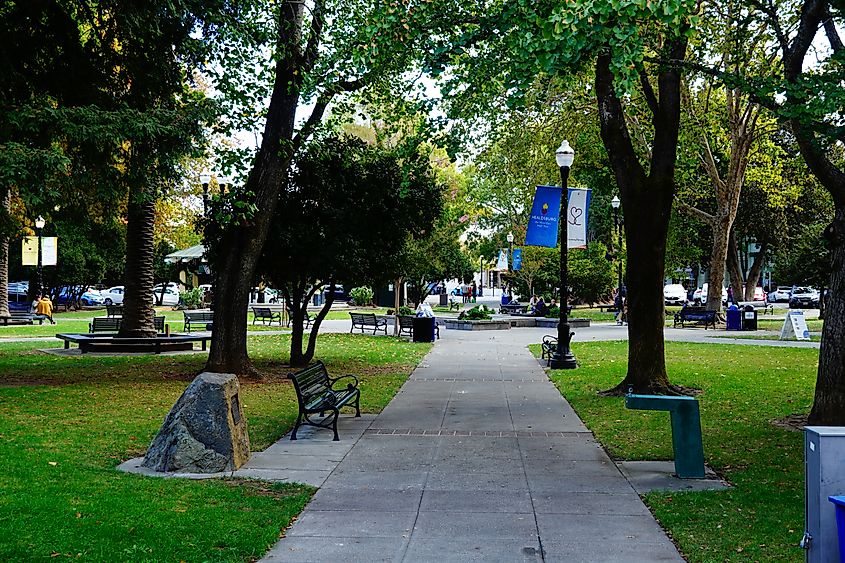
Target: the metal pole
pixel 510 277
pixel 619 249
pixel 40 267
pixel 563 357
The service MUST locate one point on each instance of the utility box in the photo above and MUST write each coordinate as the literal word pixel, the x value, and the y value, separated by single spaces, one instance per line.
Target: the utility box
pixel 824 464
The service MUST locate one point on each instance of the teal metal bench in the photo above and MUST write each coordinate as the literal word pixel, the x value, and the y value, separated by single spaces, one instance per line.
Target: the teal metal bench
pixel 686 429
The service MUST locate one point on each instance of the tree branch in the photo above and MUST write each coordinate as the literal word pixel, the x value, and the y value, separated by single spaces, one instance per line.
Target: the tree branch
pixel 698 213
pixel 311 49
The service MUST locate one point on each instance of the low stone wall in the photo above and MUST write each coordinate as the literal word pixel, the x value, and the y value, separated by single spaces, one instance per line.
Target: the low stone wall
pixel 453 324
pixel 505 322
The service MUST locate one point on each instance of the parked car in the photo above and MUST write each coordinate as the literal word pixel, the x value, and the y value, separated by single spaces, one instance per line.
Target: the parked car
pixel 170 297
pixel 340 293
pixel 674 294
pixel 19 300
pixel 781 294
pixel 112 295
pixel 759 294
pixel 804 298
pixel 91 298
pixel 700 295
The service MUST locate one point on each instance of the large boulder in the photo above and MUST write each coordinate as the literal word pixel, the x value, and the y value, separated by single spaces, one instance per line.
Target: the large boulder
pixel 205 431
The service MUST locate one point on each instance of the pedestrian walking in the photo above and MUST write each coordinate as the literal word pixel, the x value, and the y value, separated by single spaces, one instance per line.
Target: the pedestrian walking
pixel 474 291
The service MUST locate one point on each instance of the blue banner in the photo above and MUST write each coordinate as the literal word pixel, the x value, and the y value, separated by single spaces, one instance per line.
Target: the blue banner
pixel 517 258
pixel 545 214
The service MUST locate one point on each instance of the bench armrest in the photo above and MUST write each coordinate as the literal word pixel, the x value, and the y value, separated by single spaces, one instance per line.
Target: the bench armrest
pixel 333 380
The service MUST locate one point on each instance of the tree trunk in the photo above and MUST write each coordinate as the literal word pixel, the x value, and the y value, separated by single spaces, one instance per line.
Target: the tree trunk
pixel 754 273
pixel 315 326
pixel 829 403
pixel 396 303
pixel 718 254
pixel 647 205
pixel 297 301
pixel 241 245
pixel 138 310
pixel 4 259
pixel 735 273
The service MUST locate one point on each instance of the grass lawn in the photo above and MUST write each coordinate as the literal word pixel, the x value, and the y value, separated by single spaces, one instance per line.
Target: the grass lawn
pixel 744 389
pixel 66 422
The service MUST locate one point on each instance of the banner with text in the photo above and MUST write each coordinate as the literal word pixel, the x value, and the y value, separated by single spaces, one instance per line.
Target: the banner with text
pixel 502 262
pixel 517 258
pixel 49 251
pixel 545 214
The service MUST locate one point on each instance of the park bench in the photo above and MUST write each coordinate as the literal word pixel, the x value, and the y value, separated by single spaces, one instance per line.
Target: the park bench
pixel 112 324
pixel 368 321
pixel 202 318
pixel 114 310
pixel 21 317
pixel 513 309
pixel 698 315
pixel 307 318
pixel 454 305
pixel 406 326
pixel 548 348
pixel 266 315
pixel 316 394
pixel 111 343
pixel 686 429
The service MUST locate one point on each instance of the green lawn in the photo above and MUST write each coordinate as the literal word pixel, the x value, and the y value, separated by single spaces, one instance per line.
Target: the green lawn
pixel 743 390
pixel 66 422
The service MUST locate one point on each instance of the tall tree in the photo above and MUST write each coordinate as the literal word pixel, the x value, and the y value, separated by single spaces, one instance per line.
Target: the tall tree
pixel 814 102
pixel 344 219
pixel 320 52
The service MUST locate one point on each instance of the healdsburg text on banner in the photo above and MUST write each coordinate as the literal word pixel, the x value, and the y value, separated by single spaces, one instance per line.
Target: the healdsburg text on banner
pixel 545 214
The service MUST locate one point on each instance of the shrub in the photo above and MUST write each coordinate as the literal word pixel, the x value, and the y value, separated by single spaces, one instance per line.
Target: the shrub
pixel 361 295
pixel 405 311
pixel 477 313
pixel 192 298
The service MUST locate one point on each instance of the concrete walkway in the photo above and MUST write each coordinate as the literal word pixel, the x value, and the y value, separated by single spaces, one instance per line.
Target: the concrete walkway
pixel 478 458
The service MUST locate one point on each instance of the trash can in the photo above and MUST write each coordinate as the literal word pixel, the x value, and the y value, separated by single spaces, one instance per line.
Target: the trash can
pixel 839 502
pixel 444 298
pixel 749 318
pixel 733 318
pixel 423 329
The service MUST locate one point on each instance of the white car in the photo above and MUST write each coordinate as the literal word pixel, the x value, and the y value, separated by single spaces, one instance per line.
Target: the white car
pixel 700 295
pixel 781 294
pixel 112 295
pixel 170 297
pixel 674 294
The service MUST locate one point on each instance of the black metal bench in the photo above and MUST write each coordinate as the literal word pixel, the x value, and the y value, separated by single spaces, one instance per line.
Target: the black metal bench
pixel 204 318
pixel 406 326
pixel 112 324
pixel 266 315
pixel 454 305
pixel 114 310
pixel 368 321
pixel 548 348
pixel 513 309
pixel 21 317
pixel 316 394
pixel 307 318
pixel 698 315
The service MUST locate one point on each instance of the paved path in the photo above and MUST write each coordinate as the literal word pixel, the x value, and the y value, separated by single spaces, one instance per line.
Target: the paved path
pixel 478 458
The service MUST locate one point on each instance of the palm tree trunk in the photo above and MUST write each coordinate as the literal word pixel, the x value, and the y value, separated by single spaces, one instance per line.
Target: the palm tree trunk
pixel 138 311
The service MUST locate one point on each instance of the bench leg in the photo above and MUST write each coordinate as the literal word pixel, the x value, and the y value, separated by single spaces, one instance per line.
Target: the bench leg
pixel 358 406
pixel 204 343
pixel 67 344
pixel 296 426
pixel 334 425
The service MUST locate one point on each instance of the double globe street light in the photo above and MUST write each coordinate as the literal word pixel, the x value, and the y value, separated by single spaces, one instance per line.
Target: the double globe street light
pixel 563 358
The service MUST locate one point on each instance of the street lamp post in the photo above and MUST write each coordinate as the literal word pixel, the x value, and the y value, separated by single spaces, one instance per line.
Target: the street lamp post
pixel 481 276
pixel 39 225
pixel 205 179
pixel 510 265
pixel 563 358
pixel 614 203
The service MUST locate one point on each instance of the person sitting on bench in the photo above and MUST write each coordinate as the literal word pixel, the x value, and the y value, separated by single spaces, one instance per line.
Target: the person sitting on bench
pixel 44 309
pixel 540 308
